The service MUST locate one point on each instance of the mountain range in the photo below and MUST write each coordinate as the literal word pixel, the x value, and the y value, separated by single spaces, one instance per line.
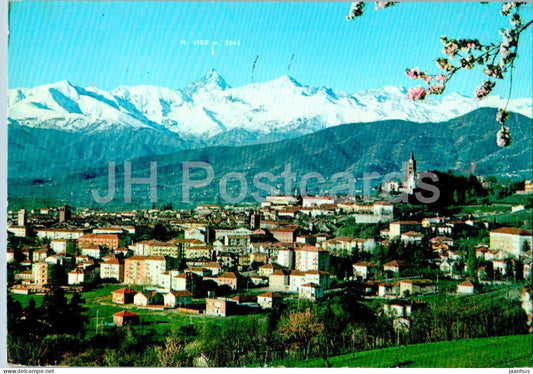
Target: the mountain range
pixel 61 126
pixel 465 145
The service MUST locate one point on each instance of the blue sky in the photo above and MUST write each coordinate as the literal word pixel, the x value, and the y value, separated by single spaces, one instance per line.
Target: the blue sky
pixel 131 43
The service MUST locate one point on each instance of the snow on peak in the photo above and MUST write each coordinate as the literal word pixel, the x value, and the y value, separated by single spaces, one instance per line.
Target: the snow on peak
pixel 284 81
pixel 210 107
pixel 210 82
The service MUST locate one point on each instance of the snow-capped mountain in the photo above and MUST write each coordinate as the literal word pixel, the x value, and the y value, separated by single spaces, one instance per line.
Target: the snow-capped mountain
pixel 211 107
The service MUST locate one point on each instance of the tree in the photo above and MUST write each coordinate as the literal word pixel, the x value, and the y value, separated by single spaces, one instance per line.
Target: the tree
pixel 496 58
pixel 300 329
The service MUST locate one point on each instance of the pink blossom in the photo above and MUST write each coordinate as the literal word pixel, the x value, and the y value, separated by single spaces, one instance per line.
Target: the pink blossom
pixel 440 78
pixel 356 10
pixel 471 45
pixel 412 73
pixel 436 89
pixel 502 116
pixel 417 93
pixel 503 137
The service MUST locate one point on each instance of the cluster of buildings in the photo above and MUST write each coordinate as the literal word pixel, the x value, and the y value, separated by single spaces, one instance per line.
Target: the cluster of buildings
pixel 285 246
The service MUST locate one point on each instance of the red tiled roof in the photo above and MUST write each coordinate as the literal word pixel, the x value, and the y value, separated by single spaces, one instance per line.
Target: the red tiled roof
pixel 309 248
pixel 364 263
pixel 100 236
pixel 512 231
pixel 313 285
pixel 123 291
pixel 125 313
pixel 280 272
pixel 270 295
pixel 185 293
pixel 156 258
pixel 228 275
pixel 466 283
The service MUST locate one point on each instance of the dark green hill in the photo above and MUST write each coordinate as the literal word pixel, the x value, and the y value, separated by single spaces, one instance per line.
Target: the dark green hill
pixel 465 144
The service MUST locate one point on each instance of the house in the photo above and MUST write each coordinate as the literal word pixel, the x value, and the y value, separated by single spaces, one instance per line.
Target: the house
pixel 81 276
pixel 511 240
pixel 146 298
pixel 195 233
pixel 219 307
pixel 214 267
pixel 245 299
pixel 499 266
pixel 228 279
pixel 465 288
pixel 441 240
pixel 123 296
pixel 257 280
pixel 185 281
pixel 395 266
pixel 399 308
pixel 173 299
pixel 279 280
pixel 432 221
pixel 481 252
pixel 445 267
pixel 416 286
pixel 319 277
pixel 411 237
pixel 387 289
pixel 39 255
pixel 269 300
pixel 362 269
pixel 125 317
pixel 396 229
pixel 311 291
pixel 200 271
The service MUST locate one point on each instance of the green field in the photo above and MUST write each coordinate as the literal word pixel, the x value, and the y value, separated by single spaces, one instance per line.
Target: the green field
pixel 97 303
pixel 495 352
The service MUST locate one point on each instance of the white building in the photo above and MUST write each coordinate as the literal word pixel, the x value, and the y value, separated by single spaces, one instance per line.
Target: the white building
pixel 18 231
pixel 286 258
pixel 59 234
pixel 93 251
pixel 465 288
pixel 511 240
pixel 112 269
pixel 314 201
pixel 311 258
pixel 154 266
pixel 311 291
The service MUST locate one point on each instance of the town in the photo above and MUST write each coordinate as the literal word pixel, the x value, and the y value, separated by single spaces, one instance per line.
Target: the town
pixel 223 261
